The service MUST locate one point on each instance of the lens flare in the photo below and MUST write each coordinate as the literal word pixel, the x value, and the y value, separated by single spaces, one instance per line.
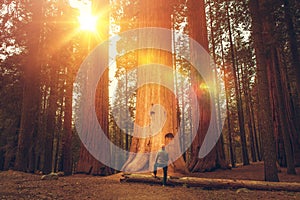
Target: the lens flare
pixel 87 21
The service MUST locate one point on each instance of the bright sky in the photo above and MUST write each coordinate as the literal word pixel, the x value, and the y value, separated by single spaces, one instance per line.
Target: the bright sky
pixel 86 19
pixel 81 4
pixel 84 7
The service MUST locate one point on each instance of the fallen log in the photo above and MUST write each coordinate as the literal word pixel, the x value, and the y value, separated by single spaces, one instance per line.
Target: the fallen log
pixel 214 183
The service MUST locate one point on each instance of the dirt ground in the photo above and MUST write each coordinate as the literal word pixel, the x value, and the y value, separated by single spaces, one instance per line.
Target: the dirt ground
pixel 18 185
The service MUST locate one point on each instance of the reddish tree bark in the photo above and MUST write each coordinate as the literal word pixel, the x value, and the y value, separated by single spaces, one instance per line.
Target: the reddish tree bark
pixel 260 26
pixel 215 159
pixel 154 14
pixel 87 163
pixel 31 101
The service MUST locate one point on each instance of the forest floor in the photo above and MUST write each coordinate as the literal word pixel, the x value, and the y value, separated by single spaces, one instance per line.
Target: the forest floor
pixel 18 185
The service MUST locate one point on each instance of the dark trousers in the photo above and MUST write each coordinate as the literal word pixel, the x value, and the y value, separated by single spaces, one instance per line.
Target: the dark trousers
pixel 165 170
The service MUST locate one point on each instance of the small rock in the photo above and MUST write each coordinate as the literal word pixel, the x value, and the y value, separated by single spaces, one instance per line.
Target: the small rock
pixel 60 174
pixel 38 172
pixel 244 190
pixel 51 176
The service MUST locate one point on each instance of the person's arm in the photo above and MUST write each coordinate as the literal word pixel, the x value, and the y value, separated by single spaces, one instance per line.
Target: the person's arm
pixel 156 157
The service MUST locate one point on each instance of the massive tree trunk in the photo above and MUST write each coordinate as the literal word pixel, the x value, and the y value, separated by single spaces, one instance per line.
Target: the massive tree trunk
pixel 31 101
pixel 215 159
pixel 260 26
pixel 154 14
pixel 87 163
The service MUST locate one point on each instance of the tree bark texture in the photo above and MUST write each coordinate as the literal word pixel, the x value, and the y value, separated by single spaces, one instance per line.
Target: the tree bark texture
pixel 87 163
pixel 154 14
pixel 260 26
pixel 31 93
pixel 215 159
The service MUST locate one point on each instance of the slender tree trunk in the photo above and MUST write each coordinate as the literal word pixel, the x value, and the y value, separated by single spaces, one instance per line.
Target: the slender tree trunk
pixel 2 151
pixel 229 129
pixel 67 159
pixel 290 110
pixel 238 95
pixel 247 97
pixel 255 135
pixel 8 144
pixel 31 102
pixel 48 136
pixel 217 85
pixel 260 21
pixel 56 157
pixel 292 42
pixel 259 123
pixel 283 116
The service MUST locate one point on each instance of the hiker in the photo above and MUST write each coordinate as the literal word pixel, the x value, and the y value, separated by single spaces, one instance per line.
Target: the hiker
pixel 161 160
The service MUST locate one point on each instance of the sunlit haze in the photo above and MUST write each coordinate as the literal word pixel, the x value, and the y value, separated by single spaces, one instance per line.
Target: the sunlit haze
pixel 87 21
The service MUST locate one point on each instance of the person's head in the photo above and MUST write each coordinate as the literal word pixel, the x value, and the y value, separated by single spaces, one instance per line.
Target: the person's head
pixel 163 146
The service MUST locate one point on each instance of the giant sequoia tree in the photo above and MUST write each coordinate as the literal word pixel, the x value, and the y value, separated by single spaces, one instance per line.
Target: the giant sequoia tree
pixel 87 163
pixel 149 95
pixel 154 14
pixel 198 31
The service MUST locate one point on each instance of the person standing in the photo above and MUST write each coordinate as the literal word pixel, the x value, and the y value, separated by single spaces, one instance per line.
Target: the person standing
pixel 161 160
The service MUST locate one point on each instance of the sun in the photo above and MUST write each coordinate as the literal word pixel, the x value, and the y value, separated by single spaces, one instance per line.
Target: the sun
pixel 87 21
